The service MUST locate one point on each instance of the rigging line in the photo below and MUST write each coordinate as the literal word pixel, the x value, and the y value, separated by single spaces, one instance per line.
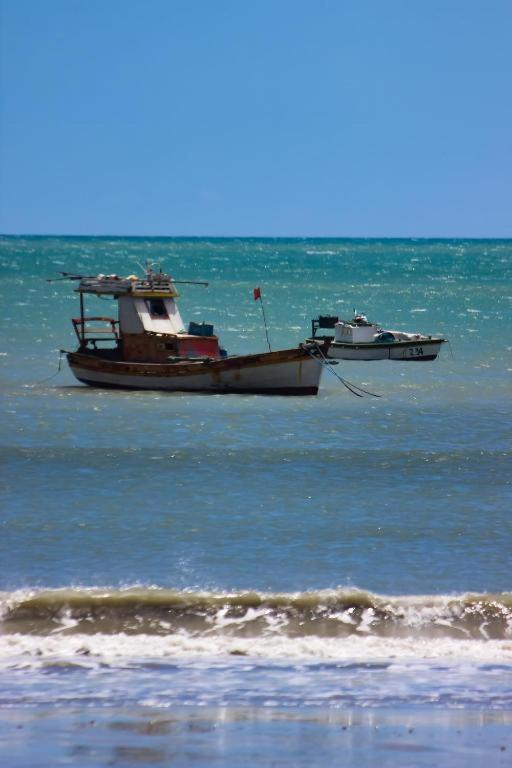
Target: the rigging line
pixel 355 386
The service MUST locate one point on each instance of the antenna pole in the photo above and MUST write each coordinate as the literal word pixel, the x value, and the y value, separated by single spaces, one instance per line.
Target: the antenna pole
pixel 257 295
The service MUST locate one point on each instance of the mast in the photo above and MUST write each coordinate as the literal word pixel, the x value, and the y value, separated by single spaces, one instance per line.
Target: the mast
pixel 82 318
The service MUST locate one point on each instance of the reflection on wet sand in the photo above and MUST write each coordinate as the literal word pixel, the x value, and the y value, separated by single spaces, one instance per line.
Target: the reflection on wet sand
pixel 229 736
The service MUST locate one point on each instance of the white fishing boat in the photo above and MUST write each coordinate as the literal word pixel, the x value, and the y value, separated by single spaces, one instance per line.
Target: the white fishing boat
pixel 358 339
pixel 146 346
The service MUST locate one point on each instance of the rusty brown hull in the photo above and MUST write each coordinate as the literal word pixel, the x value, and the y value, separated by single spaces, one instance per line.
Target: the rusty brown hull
pixel 284 372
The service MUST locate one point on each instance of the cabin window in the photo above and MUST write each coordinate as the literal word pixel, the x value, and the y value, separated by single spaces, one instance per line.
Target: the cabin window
pixel 156 308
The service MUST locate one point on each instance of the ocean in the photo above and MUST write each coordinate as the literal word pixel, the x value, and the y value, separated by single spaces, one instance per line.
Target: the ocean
pixel 229 580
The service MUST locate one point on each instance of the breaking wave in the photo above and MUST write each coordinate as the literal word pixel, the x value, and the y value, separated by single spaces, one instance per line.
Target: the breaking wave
pixel 336 614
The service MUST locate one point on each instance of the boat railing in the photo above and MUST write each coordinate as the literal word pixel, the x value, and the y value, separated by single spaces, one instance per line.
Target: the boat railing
pixel 93 329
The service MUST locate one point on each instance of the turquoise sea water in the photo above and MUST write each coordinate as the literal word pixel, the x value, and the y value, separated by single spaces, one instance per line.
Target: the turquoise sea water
pixel 258 555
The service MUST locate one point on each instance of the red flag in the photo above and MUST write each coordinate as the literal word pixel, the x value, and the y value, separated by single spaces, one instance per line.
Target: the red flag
pixel 257 294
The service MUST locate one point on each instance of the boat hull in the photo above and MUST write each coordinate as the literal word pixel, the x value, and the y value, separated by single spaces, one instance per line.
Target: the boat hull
pixel 399 350
pixel 286 372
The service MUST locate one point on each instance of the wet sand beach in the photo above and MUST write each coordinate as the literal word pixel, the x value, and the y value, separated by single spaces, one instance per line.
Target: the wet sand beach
pixel 93 738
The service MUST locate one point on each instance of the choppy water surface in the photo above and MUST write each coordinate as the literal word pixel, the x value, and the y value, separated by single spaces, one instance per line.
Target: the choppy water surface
pixel 169 550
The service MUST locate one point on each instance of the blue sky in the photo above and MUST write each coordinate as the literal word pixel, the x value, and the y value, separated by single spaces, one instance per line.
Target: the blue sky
pixel 256 117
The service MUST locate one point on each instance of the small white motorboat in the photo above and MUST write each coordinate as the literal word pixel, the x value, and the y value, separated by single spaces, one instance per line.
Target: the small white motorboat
pixel 358 339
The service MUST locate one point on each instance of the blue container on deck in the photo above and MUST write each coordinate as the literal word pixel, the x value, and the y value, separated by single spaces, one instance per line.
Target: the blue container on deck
pixel 200 329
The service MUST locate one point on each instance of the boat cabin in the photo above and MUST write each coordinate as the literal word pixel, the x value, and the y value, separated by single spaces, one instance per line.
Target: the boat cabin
pixel 148 327
pixel 356 331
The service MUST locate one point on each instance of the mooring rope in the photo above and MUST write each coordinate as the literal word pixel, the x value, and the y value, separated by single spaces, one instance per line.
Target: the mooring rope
pixel 355 389
pixel 53 376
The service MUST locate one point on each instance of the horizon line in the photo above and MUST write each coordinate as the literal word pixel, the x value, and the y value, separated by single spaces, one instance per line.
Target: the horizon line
pixel 257 237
